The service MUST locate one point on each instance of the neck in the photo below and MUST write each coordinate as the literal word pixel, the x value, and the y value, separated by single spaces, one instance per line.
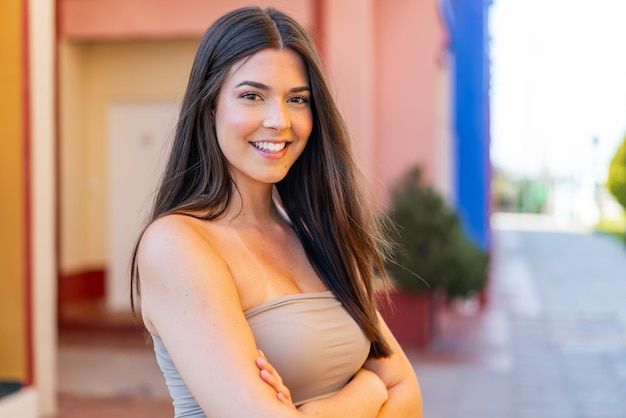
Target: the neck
pixel 252 208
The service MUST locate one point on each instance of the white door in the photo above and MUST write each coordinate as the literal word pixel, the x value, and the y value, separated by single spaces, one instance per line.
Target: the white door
pixel 138 137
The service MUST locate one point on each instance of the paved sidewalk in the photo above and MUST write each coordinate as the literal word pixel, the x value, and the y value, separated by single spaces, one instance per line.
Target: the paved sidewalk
pixel 109 374
pixel 552 340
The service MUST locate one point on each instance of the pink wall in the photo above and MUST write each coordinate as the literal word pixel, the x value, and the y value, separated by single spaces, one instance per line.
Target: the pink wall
pixel 409 43
pixel 384 61
pixel 349 55
pixel 133 19
pixel 383 58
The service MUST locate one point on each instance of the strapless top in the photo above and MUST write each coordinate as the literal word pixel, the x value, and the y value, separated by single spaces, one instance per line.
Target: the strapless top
pixel 309 338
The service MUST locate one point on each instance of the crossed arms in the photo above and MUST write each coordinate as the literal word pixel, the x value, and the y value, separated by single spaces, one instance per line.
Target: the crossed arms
pixel 191 302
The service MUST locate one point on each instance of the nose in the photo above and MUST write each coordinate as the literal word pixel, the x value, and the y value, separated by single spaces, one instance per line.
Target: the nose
pixel 277 117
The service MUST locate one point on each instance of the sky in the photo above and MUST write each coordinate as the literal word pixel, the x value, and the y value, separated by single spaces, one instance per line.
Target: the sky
pixel 558 81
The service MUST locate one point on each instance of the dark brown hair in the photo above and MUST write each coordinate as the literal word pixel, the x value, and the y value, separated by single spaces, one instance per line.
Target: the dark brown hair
pixel 323 192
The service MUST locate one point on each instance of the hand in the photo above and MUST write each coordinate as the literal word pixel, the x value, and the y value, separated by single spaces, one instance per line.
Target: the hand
pixel 270 376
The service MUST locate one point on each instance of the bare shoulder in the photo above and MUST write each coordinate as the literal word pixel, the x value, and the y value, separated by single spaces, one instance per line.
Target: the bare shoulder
pixel 171 231
pixel 175 239
pixel 180 268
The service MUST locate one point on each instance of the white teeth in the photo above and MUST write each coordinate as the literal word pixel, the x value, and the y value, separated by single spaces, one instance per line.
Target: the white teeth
pixel 269 146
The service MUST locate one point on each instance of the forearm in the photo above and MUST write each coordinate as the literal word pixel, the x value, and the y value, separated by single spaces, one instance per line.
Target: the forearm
pixel 360 398
pixel 405 400
pixel 396 371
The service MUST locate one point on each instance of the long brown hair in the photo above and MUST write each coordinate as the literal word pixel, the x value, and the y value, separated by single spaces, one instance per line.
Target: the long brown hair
pixel 323 192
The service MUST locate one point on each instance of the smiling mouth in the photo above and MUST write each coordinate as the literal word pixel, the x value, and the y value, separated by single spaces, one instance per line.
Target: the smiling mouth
pixel 269 146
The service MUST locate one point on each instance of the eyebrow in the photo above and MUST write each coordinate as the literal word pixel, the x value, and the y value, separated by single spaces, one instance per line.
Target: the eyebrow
pixel 262 86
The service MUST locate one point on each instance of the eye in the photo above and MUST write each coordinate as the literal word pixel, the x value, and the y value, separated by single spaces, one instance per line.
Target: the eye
pixel 250 95
pixel 299 100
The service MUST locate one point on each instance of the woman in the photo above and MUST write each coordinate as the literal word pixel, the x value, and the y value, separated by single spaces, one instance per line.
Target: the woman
pixel 261 238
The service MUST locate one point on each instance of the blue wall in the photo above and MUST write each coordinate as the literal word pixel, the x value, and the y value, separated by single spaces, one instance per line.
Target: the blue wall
pixel 467 22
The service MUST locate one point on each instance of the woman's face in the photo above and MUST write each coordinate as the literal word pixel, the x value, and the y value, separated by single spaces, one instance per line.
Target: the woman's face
pixel 263 115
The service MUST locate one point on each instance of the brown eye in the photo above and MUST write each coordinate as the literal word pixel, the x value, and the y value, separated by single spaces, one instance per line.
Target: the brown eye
pixel 251 96
pixel 299 100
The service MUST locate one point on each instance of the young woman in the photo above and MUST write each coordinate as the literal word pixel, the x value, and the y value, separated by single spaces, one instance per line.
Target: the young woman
pixel 261 238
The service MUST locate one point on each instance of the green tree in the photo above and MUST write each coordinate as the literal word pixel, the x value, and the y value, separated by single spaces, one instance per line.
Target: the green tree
pixel 617 175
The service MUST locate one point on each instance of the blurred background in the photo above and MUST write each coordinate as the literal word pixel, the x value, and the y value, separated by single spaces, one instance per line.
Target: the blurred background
pixel 512 114
pixel 558 105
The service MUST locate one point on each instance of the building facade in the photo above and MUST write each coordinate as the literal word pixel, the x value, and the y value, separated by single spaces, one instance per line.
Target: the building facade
pixel 92 90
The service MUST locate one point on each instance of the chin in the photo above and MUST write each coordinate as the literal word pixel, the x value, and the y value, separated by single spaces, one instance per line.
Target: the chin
pixel 277 179
pixel 271 178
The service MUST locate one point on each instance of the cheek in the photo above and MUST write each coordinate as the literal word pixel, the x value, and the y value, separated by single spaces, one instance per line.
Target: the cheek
pixel 231 122
pixel 305 126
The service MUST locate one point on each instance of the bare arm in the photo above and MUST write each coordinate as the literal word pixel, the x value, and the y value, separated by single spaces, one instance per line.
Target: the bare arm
pixel 190 300
pixel 402 387
pixel 361 395
pixel 405 399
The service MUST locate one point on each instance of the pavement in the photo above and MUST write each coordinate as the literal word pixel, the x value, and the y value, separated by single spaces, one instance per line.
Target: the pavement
pixel 109 373
pixel 549 343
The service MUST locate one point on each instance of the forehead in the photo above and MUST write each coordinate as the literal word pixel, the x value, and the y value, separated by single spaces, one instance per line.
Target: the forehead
pixel 284 64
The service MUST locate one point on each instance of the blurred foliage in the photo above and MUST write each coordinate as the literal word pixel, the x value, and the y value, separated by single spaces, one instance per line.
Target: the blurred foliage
pixel 432 251
pixel 520 195
pixel 617 175
pixel 612 227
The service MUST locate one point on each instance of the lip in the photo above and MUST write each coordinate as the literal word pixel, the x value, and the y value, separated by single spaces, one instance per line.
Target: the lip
pixel 272 155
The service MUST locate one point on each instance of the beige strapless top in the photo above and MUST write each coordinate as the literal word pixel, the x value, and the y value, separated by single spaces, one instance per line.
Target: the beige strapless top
pixel 309 338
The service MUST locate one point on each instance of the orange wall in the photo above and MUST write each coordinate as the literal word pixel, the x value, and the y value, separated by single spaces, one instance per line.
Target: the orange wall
pixel 12 220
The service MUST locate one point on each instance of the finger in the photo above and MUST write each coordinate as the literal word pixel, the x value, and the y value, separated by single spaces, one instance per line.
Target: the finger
pixel 282 392
pixel 263 364
pixel 270 379
pixel 276 384
pixel 265 361
pixel 281 397
pixel 270 376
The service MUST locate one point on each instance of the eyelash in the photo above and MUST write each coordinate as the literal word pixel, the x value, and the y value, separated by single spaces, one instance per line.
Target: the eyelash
pixel 250 96
pixel 257 96
pixel 301 99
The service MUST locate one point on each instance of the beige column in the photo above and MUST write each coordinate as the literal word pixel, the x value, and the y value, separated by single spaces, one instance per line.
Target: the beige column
pixel 43 162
